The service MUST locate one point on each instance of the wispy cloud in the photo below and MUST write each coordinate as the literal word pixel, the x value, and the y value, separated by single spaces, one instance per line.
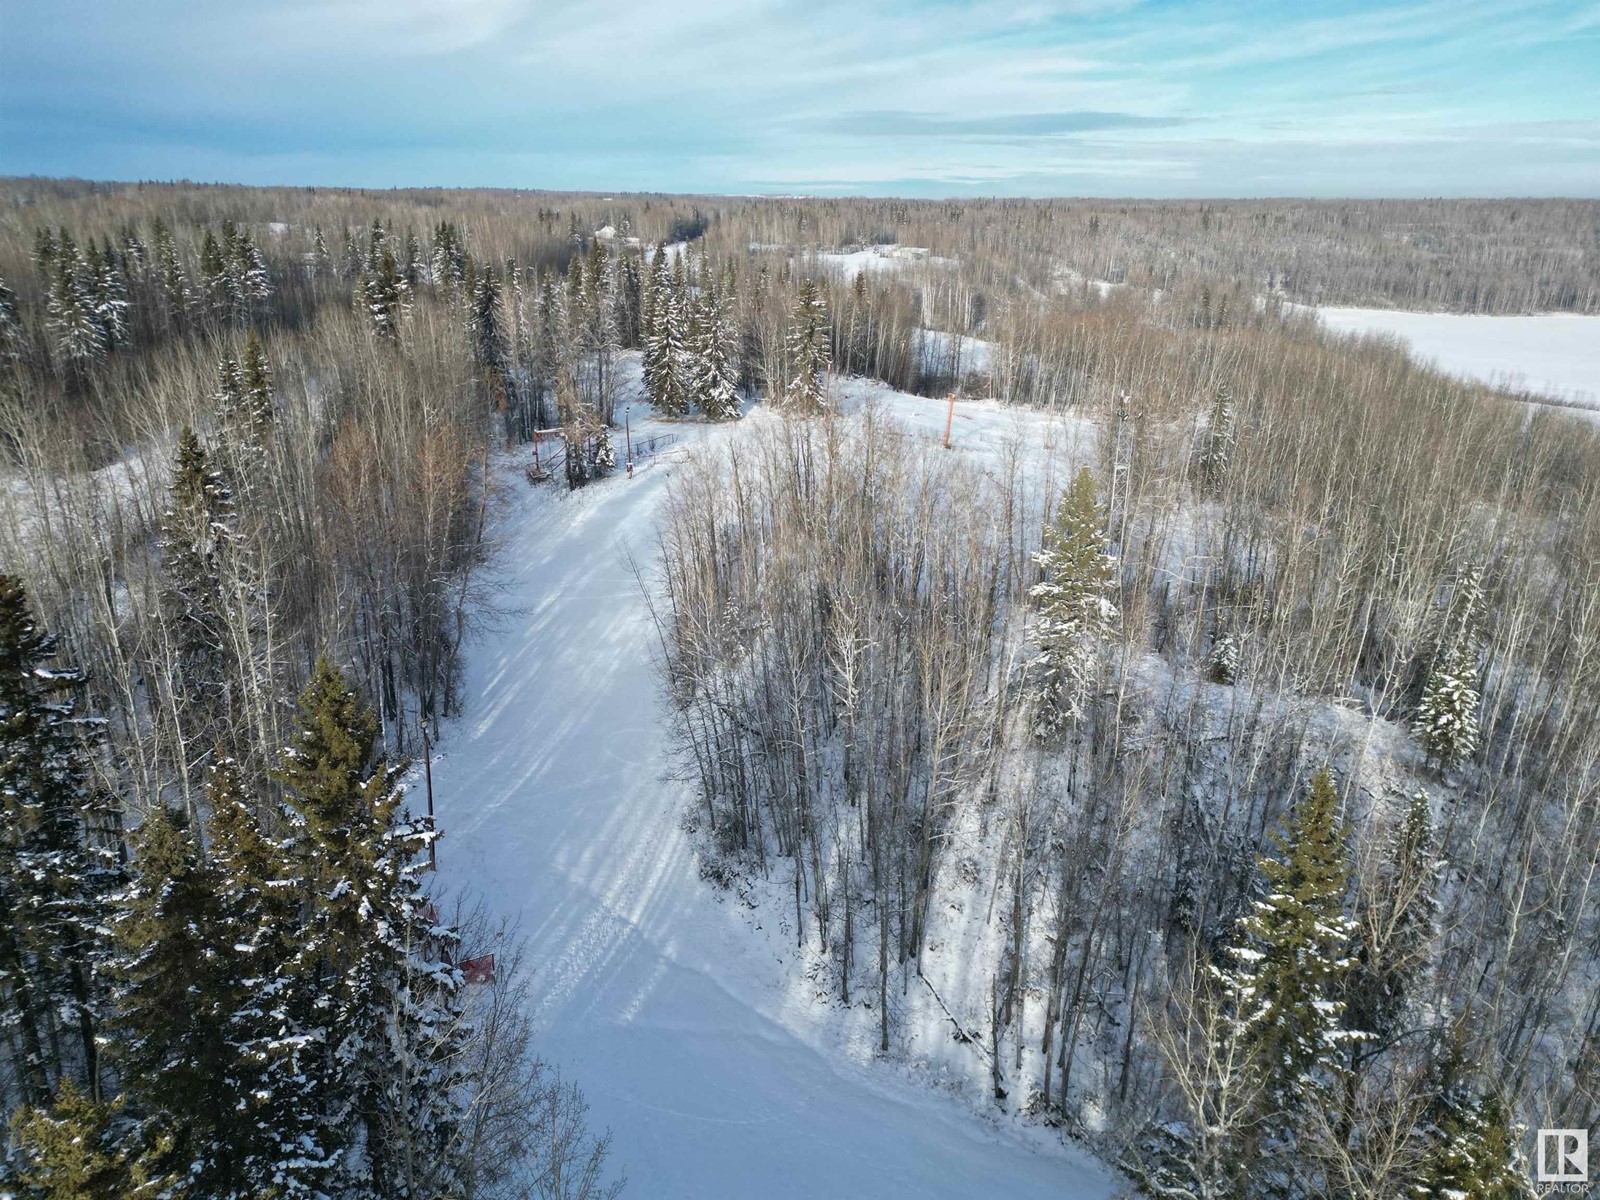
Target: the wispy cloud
pixel 912 124
pixel 925 95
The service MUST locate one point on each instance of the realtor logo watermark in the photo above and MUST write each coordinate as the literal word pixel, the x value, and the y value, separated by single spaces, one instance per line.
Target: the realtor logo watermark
pixel 1563 1156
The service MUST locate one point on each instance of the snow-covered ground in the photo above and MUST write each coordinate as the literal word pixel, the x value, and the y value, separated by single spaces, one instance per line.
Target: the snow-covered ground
pixel 882 258
pixel 1548 354
pixel 697 1039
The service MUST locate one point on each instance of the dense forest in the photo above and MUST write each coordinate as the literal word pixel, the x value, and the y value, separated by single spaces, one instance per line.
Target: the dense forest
pixel 1241 727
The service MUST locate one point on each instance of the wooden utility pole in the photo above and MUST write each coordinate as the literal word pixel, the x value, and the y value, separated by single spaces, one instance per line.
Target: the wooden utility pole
pixel 949 418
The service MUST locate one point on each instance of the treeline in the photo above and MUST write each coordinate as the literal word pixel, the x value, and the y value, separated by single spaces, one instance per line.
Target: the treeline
pixel 268 1004
pixel 1073 736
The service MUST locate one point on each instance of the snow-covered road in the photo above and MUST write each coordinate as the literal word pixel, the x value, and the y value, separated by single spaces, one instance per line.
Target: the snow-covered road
pixel 696 1044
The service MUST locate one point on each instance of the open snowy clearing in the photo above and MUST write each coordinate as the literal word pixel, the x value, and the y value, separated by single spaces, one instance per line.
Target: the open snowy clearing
pixel 1547 354
pixel 873 259
pixel 704 1048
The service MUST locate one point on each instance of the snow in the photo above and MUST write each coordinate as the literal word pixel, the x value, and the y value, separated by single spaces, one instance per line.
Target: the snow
pixel 881 258
pixel 1556 355
pixel 938 349
pixel 684 1014
pixel 674 251
pixel 1068 280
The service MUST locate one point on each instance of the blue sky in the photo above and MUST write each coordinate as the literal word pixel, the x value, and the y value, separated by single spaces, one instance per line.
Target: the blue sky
pixel 910 97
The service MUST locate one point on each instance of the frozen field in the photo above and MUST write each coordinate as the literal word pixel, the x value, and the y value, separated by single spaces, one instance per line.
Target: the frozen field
pixel 698 1041
pixel 1549 354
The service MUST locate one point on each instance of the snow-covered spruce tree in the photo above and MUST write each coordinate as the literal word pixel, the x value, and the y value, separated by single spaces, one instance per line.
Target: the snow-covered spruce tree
pixel 1222 664
pixel 669 357
pixel 230 414
pixel 74 326
pixel 275 1118
pixel 215 279
pixel 603 456
pixel 176 297
pixel 169 998
pixel 320 260
pixel 1288 965
pixel 1470 1146
pixel 380 298
pixel 258 413
pixel 79 1148
pixel 108 289
pixel 448 258
pixel 716 381
pixel 249 283
pixel 131 250
pixel 1076 612
pixel 197 534
pixel 807 352
pixel 1216 443
pixel 1260 1043
pixel 44 254
pixel 1293 947
pixel 657 357
pixel 413 266
pixel 392 1025
pixel 1446 723
pixel 57 865
pixel 13 336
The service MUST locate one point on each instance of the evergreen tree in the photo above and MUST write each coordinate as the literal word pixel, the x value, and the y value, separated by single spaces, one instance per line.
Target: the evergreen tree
pixel 108 293
pixel 604 456
pixel 1076 612
pixel 44 254
pixel 13 337
pixel 1470 1145
pixel 1447 719
pixel 322 264
pixel 716 380
pixel 257 278
pixel 170 1023
pixel 110 296
pixel 449 257
pixel 1216 449
pixel 353 257
pixel 56 865
pixel 176 298
pixel 1291 955
pixel 393 1024
pixel 808 352
pixel 381 296
pixel 230 407
pixel 80 338
pixel 258 413
pixel 199 547
pixel 215 277
pixel 274 1120
pixel 80 1149
pixel 131 249
pixel 413 268
pixel 659 365
pixel 197 534
pixel 1222 664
